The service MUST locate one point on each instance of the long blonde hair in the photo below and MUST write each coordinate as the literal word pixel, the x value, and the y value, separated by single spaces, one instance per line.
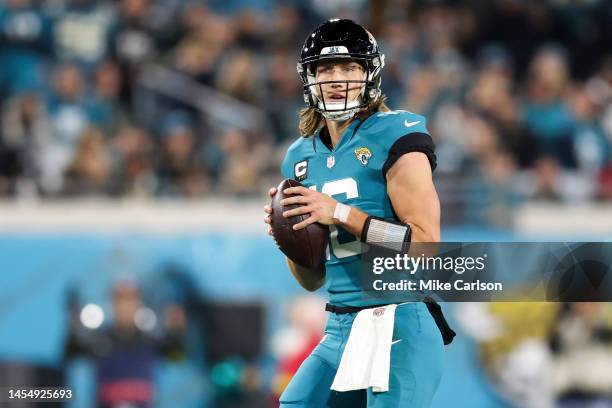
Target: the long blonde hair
pixel 311 120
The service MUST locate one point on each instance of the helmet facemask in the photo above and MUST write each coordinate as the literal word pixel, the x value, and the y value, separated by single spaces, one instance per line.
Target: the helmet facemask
pixel 339 110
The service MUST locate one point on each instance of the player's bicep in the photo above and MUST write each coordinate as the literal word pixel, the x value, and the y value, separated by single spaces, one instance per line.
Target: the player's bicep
pixel 413 195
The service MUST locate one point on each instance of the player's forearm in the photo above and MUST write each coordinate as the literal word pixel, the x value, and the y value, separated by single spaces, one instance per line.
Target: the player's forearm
pixel 354 222
pixel 309 279
pixel 427 231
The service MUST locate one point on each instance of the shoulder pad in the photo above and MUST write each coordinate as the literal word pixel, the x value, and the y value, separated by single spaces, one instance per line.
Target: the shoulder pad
pixel 394 124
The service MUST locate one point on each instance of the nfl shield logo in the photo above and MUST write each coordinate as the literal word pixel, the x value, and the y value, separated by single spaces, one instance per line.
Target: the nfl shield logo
pixel 331 160
pixel 379 311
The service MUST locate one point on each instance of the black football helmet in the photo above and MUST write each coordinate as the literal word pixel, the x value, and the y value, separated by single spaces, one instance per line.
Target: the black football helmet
pixel 340 39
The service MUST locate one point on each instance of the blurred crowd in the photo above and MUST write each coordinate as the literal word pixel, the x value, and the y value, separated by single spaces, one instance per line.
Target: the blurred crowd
pixel 543 354
pixel 518 95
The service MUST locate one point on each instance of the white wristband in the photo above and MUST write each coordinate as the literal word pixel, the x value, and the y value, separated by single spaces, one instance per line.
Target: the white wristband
pixel 341 212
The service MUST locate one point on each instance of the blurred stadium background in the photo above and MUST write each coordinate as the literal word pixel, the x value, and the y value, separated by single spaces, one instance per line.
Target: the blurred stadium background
pixel 137 139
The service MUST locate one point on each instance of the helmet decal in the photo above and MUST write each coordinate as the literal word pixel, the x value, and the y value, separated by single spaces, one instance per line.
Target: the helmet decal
pixel 337 49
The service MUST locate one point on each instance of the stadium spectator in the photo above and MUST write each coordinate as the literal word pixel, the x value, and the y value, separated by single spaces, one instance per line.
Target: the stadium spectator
pixel 581 343
pixel 545 111
pixel 133 166
pixel 284 96
pixel 195 60
pixel 239 76
pixel 133 36
pixel 81 29
pixel 242 169
pixel 90 170
pixel 590 146
pixel 105 109
pixel 181 169
pixel 26 134
pixel 25 33
pixel 67 107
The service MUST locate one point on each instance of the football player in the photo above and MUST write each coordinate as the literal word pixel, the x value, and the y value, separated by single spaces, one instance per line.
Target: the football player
pixel 368 175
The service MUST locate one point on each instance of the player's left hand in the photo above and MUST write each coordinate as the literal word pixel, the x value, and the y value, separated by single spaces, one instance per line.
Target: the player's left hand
pixel 320 206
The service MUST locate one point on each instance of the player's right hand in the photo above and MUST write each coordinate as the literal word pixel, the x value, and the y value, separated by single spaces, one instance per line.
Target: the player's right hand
pixel 268 211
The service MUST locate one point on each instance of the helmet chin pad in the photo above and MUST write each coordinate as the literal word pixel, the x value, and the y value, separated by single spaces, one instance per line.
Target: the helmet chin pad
pixel 338 111
pixel 339 116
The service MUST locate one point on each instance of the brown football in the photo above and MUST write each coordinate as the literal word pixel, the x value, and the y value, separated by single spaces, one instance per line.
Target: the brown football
pixel 307 246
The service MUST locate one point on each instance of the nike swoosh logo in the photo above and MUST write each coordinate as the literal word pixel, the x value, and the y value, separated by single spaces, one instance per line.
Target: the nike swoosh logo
pixel 410 124
pixel 396 341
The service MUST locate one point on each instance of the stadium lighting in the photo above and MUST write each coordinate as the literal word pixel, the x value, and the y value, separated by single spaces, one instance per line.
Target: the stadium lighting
pixel 145 319
pixel 92 316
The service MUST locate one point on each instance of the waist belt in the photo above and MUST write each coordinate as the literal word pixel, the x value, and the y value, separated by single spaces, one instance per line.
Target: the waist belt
pixel 347 309
pixel 434 309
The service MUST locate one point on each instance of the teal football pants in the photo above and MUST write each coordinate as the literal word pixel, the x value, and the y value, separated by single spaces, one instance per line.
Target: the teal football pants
pixel 416 365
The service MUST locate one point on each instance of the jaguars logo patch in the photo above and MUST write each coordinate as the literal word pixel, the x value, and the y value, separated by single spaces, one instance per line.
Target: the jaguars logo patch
pixel 363 154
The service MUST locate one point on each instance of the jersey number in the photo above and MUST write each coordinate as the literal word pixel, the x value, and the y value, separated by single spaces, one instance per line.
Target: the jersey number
pixel 343 244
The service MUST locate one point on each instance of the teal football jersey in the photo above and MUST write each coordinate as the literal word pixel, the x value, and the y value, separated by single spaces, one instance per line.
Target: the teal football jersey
pixel 353 173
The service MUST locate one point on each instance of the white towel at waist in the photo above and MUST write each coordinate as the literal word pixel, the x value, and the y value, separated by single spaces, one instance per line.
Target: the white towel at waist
pixel 366 358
